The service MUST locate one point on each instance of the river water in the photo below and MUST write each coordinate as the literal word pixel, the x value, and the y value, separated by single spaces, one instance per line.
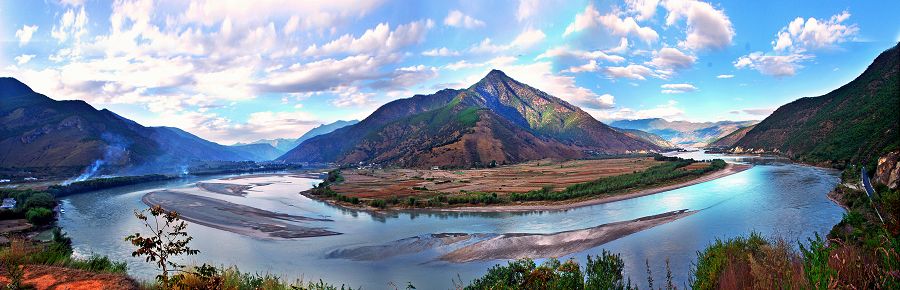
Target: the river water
pixel 774 198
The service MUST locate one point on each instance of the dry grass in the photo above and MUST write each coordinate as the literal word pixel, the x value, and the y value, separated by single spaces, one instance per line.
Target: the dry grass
pixel 517 178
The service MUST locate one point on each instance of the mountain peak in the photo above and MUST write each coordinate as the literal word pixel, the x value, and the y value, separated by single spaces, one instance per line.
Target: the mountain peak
pixel 10 87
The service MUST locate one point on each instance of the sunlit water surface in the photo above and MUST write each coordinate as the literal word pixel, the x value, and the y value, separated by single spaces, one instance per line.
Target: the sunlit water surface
pixel 773 198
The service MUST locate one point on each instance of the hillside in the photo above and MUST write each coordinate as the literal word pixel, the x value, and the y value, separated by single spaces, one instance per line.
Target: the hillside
pixel 497 120
pixel 39 132
pixel 683 133
pixel 647 137
pixel 855 123
pixel 731 138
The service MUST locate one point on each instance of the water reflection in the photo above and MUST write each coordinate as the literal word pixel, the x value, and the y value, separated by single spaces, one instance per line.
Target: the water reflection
pixel 773 198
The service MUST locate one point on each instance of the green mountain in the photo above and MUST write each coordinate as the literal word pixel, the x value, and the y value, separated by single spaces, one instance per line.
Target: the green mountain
pixel 39 132
pixel 855 123
pixel 729 140
pixel 497 120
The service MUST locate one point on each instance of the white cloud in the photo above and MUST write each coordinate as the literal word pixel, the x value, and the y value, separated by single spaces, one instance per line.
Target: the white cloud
pixel 668 111
pixel 677 88
pixel 754 111
pixel 526 39
pixel 526 9
pixel 621 48
pixel 323 74
pixel 443 51
pixel 23 59
pixel 457 19
pixel 24 34
pixel 563 51
pixel 707 27
pixel 71 24
pixel 378 40
pixel 591 66
pixel 801 35
pixel 632 71
pixel 724 76
pixel 644 9
pixel 351 96
pixel 671 58
pixel 591 18
pixel 773 65
pixel 309 14
pixel 462 64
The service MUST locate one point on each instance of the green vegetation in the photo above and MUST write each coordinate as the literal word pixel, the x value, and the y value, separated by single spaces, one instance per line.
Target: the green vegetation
pixel 653 176
pixel 167 240
pixel 104 183
pixel 36 204
pixel 58 253
pixel 604 272
pixel 210 277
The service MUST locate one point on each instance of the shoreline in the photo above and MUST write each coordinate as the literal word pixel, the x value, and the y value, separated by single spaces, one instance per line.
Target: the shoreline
pixel 730 168
pixel 554 245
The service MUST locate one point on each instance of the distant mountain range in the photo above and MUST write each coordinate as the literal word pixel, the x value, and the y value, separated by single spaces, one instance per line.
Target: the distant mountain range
pixel 37 131
pixel 855 123
pixel 497 120
pixel 728 140
pixel 683 133
pixel 647 137
pixel 284 145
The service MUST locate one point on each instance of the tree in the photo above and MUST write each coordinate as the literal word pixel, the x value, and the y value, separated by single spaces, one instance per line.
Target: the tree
pixel 39 216
pixel 167 239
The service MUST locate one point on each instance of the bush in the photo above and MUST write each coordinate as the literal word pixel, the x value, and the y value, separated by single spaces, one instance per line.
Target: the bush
pixel 40 199
pixel 39 216
pixel 604 272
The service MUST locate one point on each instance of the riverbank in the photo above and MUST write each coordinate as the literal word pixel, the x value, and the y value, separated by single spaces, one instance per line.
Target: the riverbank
pixel 236 218
pixel 544 205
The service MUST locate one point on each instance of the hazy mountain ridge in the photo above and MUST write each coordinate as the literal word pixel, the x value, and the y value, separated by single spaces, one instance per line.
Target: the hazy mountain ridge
pixel 732 138
pixel 855 123
pixel 684 133
pixel 496 120
pixel 286 144
pixel 37 131
pixel 648 137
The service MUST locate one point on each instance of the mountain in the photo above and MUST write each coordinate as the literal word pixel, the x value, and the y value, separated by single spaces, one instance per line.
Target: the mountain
pixel 257 152
pixel 285 144
pixel 855 123
pixel 37 131
pixel 728 140
pixel 497 119
pixel 683 133
pixel 647 137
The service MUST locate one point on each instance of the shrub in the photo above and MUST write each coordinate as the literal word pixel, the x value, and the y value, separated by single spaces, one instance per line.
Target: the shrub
pixel 39 216
pixel 40 199
pixel 602 272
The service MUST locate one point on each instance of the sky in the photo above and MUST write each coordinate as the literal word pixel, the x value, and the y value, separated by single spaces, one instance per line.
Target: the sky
pixel 238 71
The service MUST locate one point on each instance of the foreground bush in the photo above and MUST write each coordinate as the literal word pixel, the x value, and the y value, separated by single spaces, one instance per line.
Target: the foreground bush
pixel 604 272
pixel 209 277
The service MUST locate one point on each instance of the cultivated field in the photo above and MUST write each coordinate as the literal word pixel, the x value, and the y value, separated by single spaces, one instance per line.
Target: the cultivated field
pixel 517 178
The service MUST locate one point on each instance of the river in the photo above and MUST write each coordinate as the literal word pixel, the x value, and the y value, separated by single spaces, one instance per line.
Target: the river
pixel 774 198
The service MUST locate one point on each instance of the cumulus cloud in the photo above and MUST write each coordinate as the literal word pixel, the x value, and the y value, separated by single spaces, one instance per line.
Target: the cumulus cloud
pixel 378 40
pixel 801 35
pixel 526 9
pixel 24 34
pixel 724 76
pixel 309 15
pixel 707 27
pixel 632 71
pixel 564 51
pixel 621 48
pixel 773 65
pixel 643 9
pixel 462 64
pixel 457 19
pixel 443 51
pixel 526 39
pixel 591 66
pixel 669 111
pixel 591 18
pixel 677 88
pixel 671 58
pixel 23 59
pixel 71 25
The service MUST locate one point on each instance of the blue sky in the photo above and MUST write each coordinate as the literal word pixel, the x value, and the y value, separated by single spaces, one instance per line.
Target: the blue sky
pixel 234 71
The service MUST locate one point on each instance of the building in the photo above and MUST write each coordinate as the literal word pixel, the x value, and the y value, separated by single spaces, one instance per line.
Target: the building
pixel 8 203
